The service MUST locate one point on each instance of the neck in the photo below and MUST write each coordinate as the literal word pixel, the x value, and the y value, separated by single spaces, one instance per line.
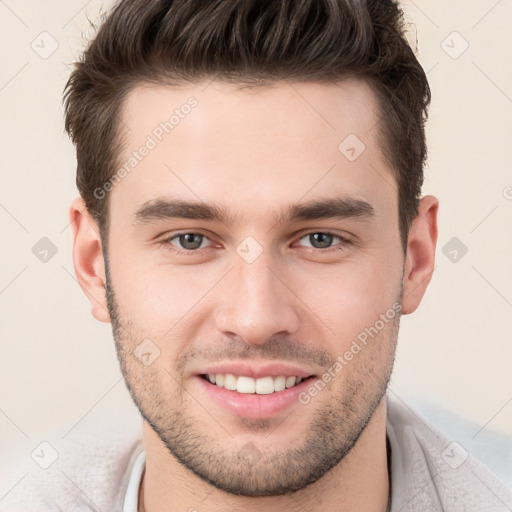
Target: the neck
pixel 359 482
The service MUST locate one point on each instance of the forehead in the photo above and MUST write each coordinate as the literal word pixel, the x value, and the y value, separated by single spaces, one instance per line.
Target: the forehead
pixel 307 109
pixel 251 148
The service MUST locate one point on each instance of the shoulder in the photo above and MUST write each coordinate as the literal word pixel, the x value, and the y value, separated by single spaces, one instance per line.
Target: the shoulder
pixel 430 471
pixel 87 469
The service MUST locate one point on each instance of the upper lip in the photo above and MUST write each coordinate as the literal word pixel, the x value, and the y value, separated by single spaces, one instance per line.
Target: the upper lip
pixel 257 371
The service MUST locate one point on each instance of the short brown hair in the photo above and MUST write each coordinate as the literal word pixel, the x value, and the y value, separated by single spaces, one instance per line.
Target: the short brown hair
pixel 250 43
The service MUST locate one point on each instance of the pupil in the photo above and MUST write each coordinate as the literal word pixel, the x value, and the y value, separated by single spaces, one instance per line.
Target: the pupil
pixel 324 239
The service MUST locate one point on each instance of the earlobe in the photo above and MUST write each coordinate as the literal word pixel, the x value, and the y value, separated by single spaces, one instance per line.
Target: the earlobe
pixel 420 259
pixel 88 259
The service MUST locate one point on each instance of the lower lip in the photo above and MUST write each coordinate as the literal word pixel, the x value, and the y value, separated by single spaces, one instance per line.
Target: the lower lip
pixel 252 405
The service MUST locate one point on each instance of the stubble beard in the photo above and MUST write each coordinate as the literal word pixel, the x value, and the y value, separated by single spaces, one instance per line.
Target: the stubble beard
pixel 342 412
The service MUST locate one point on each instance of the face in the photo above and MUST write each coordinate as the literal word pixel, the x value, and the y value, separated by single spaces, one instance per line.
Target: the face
pixel 281 281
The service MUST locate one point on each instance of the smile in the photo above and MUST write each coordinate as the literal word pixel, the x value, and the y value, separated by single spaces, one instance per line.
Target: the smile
pixel 249 385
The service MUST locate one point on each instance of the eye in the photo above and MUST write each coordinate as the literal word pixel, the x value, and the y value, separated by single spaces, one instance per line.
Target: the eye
pixel 190 242
pixel 324 240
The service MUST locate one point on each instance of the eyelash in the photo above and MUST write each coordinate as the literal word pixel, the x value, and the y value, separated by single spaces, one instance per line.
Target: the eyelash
pixel 189 252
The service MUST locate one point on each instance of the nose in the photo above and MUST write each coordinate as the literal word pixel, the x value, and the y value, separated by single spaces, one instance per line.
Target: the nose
pixel 258 302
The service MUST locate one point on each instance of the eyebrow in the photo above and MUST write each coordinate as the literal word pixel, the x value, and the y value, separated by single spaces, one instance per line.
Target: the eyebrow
pixel 341 208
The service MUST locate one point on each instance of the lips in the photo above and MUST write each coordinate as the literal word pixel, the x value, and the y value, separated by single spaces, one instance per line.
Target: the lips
pixel 252 391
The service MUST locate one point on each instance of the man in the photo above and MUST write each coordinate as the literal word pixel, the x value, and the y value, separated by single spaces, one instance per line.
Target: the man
pixel 251 223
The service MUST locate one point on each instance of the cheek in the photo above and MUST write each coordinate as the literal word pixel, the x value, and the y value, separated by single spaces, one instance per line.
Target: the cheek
pixel 352 298
pixel 153 294
pixel 165 304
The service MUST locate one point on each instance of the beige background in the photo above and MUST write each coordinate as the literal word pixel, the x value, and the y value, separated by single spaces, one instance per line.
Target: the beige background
pixel 58 368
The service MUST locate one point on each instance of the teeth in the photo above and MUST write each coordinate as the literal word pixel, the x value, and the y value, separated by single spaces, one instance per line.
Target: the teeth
pixel 248 385
pixel 265 386
pixel 245 385
pixel 280 383
pixel 230 382
pixel 290 381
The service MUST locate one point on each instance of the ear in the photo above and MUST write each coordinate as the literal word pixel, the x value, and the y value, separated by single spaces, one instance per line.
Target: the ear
pixel 420 259
pixel 88 258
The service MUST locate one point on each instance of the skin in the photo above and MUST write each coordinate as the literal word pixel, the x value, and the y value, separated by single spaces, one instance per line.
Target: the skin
pixel 254 152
